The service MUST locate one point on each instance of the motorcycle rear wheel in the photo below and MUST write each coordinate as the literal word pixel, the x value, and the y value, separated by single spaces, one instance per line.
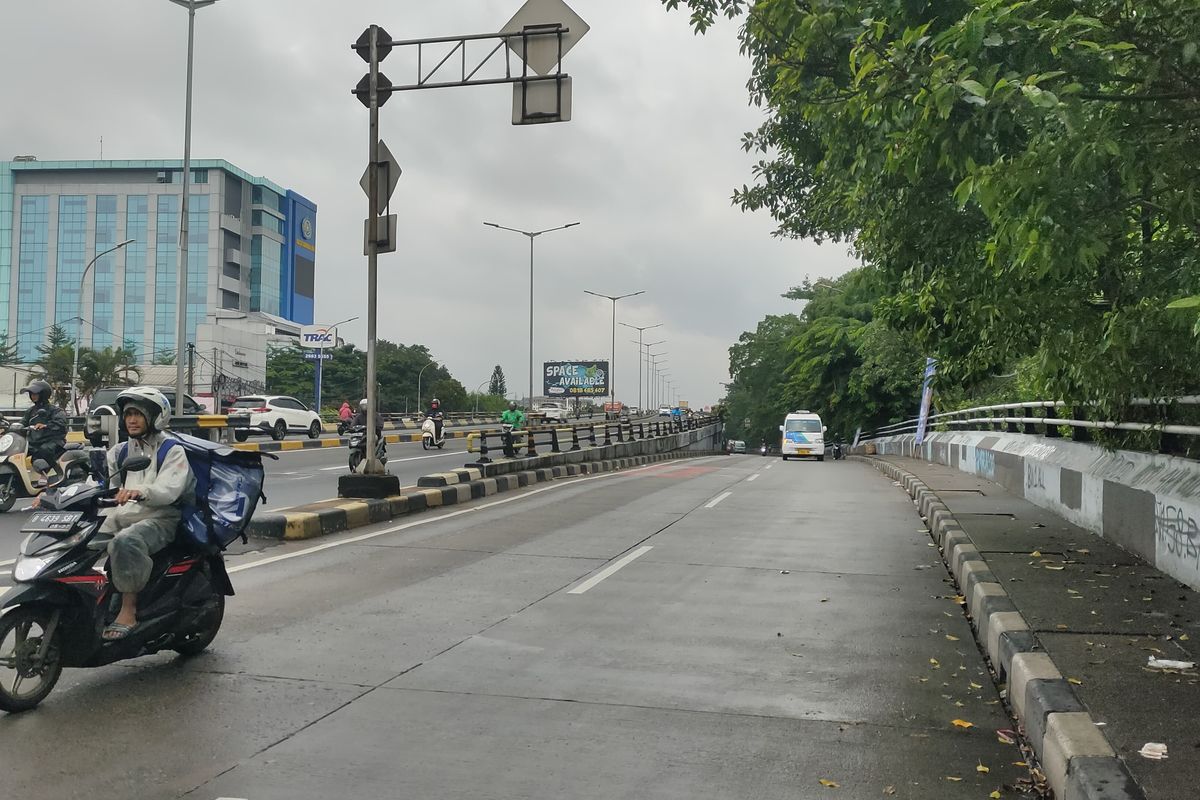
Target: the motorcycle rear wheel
pixel 425 442
pixel 195 643
pixel 356 458
pixel 8 490
pixel 19 646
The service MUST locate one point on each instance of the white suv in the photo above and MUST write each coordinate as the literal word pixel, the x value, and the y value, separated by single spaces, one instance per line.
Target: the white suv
pixel 553 412
pixel 276 415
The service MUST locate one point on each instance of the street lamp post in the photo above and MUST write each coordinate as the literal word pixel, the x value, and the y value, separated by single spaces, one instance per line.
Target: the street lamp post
pixel 656 401
pixel 612 364
pixel 419 374
pixel 181 303
pixel 477 390
pixel 79 323
pixel 649 401
pixel 641 329
pixel 532 235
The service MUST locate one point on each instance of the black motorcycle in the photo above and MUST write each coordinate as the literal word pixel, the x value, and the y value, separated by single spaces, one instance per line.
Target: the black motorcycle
pixel 62 602
pixel 358 447
pixel 838 452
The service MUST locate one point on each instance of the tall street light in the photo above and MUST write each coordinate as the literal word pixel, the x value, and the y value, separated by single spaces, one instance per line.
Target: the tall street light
pixel 79 323
pixel 419 374
pixel 181 307
pixel 641 329
pixel 654 384
pixel 648 346
pixel 612 364
pixel 532 235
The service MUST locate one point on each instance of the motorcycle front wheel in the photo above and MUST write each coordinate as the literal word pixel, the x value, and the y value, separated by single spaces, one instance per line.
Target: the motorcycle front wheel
pixel 25 677
pixel 8 489
pixel 356 458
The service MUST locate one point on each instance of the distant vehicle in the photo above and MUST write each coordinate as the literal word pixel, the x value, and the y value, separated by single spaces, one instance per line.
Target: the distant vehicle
pixel 664 411
pixel 737 446
pixel 552 411
pixel 276 415
pixel 614 410
pixel 802 435
pixel 104 402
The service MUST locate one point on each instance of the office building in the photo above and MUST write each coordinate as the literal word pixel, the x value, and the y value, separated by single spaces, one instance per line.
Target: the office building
pixel 251 259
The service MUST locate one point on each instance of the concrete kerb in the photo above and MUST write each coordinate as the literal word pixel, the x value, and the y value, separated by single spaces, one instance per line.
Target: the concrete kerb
pixel 1077 759
pixel 432 491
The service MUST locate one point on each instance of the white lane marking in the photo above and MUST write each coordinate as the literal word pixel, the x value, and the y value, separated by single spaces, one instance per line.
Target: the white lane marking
pixel 717 499
pixel 770 465
pixel 398 460
pixel 752 477
pixel 609 570
pixel 8 563
pixel 355 539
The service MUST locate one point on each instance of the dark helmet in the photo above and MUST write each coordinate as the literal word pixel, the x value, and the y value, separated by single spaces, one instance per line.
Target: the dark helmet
pixel 38 387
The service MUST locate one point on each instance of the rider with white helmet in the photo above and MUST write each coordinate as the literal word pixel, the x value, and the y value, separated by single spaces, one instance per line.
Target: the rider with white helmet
pixel 148 510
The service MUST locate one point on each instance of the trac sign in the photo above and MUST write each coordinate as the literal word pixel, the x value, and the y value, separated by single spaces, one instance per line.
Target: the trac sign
pixel 318 336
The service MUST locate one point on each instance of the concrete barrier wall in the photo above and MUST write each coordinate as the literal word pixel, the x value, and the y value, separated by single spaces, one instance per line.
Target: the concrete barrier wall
pixel 707 438
pixel 1148 504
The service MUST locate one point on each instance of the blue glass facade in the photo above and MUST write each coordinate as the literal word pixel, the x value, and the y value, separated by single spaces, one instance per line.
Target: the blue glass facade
pixel 31 274
pixel 103 273
pixel 136 225
pixel 56 216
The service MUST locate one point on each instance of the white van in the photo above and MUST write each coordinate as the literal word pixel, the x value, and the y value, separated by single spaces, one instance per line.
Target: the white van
pixel 802 435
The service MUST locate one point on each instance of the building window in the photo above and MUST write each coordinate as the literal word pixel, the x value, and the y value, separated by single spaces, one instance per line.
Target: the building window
pixel 103 275
pixel 197 287
pixel 166 259
pixel 34 238
pixel 266 257
pixel 265 220
pixel 72 257
pixel 134 324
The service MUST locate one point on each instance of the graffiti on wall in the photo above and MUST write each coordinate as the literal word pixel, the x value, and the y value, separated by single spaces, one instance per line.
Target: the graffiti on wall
pixel 1035 477
pixel 985 463
pixel 1177 533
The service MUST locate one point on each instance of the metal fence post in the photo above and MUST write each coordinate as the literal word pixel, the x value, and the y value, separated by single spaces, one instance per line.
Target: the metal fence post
pixel 483 448
pixel 1079 434
pixel 554 441
pixel 531 450
pixel 575 437
pixel 592 434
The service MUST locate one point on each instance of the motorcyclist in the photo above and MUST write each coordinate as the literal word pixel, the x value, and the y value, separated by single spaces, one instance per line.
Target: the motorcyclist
pixel 435 414
pixel 45 424
pixel 148 502
pixel 516 418
pixel 360 419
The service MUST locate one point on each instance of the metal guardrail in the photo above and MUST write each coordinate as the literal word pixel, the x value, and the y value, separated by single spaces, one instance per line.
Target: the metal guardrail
pixel 567 438
pixel 1043 418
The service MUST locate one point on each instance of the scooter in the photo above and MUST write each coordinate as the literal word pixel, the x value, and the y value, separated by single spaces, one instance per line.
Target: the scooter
pixel 62 601
pixel 358 447
pixel 429 434
pixel 762 450
pixel 17 477
pixel 838 455
pixel 343 426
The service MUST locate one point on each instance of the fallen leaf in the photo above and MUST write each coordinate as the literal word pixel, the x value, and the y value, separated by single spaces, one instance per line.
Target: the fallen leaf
pixel 1020 764
pixel 824 599
pixel 889 790
pixel 936 664
pixel 1072 591
pixel 830 784
pixel 995 795
pixel 1075 681
pixel 1061 627
pixel 982 768
pixel 962 723
pixel 958 703
pixel 958 598
pixel 1085 551
pixel 1184 638
pixel 951 638
pixel 1006 737
pixel 974 685
pixel 1036 554
pixel 923 680
pixel 1056 569
pixel 954 778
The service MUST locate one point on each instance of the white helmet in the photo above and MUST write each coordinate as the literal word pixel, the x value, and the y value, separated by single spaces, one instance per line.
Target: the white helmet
pixel 151 402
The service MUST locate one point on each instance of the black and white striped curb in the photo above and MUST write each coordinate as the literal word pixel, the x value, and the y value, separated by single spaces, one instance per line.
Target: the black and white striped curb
pixel 432 491
pixel 1077 759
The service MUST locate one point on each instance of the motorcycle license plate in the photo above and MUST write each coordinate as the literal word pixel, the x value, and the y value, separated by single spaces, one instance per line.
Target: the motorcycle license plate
pixel 51 521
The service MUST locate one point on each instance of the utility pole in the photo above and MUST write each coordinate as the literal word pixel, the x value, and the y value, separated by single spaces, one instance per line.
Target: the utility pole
pixel 191 367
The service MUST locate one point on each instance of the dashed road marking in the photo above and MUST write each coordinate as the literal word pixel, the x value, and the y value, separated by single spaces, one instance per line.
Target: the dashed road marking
pixel 752 477
pixel 609 570
pixel 717 499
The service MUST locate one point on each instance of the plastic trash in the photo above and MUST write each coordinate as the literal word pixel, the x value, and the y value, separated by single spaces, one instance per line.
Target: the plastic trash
pixel 1154 751
pixel 1163 663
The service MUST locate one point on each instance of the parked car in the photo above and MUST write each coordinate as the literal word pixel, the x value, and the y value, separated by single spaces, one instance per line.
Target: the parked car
pixel 104 402
pixel 552 411
pixel 276 415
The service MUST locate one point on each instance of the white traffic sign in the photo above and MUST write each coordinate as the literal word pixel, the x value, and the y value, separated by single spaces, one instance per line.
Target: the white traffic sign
pixel 389 175
pixel 318 337
pixel 543 53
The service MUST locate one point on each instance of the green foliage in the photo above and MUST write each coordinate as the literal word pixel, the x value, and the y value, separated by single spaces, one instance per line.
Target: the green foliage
pixel 498 386
pixel 107 367
pixel 1021 175
pixel 8 352
pixel 55 362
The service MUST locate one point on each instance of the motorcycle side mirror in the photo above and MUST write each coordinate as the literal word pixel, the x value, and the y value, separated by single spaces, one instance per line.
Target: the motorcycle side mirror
pixel 136 464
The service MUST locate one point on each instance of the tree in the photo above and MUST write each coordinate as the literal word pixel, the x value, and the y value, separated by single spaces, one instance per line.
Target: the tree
pixel 55 363
pixel 451 395
pixel 107 367
pixel 164 358
pixel 9 353
pixel 289 373
pixel 498 386
pixel 1022 175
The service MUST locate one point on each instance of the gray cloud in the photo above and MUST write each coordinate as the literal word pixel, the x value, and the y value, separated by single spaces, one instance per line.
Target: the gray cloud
pixel 647 166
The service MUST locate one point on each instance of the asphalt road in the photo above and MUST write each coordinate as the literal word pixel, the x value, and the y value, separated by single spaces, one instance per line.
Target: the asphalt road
pixel 719 628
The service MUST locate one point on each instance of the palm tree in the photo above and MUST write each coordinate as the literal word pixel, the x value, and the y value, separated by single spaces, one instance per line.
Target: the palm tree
pixel 107 367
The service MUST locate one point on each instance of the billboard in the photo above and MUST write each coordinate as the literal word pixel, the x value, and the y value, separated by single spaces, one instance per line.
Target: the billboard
pixel 575 378
pixel 318 336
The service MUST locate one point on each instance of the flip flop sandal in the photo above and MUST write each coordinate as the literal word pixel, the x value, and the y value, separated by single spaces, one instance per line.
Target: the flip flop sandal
pixel 116 632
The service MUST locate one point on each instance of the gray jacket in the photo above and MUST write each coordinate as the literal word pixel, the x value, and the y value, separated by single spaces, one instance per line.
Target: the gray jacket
pixel 162 490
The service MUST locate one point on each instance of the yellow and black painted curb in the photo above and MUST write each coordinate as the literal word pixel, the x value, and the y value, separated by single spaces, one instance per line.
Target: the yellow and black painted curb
pixel 342 441
pixel 442 489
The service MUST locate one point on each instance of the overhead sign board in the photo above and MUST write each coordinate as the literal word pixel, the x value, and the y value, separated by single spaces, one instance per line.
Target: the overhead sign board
pixel 318 336
pixel 575 378
pixel 541 51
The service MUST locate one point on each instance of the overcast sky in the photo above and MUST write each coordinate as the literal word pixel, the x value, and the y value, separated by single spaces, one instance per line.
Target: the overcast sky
pixel 647 166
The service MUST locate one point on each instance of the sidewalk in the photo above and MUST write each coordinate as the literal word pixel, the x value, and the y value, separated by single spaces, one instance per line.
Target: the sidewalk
pixel 1097 611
